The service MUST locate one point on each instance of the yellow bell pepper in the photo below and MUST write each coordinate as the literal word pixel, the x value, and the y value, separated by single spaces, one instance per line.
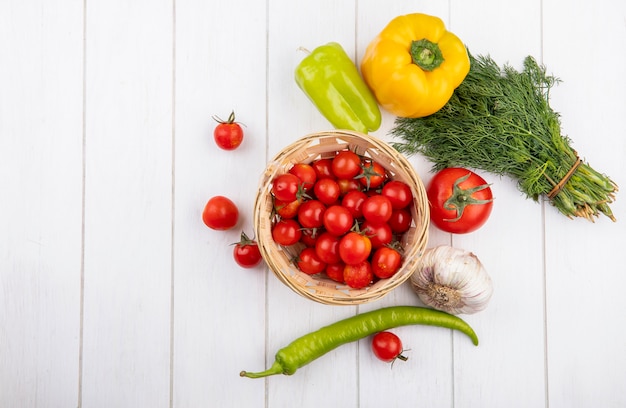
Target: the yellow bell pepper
pixel 414 65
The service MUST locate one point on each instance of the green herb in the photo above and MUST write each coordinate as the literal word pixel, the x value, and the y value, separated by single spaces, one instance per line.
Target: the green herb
pixel 500 120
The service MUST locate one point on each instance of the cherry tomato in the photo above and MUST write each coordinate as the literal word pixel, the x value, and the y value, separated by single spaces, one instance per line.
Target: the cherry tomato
pixel 220 213
pixel 327 191
pixel 287 209
pixel 309 236
pixel 387 347
pixel 286 232
pixel 358 275
pixel 285 187
pixel 323 168
pixel 246 252
pixel 327 248
pixel 306 174
pixel 347 185
pixel 380 234
pixel 353 201
pixel 377 209
pixel 372 175
pixel 400 220
pixel 228 134
pixel 354 248
pixel 398 193
pixel 311 214
pixel 337 220
pixel 309 263
pixel 346 164
pixel 460 200
pixel 386 261
pixel 335 271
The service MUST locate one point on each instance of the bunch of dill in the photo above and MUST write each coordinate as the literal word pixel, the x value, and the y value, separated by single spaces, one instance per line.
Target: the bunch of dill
pixel 500 120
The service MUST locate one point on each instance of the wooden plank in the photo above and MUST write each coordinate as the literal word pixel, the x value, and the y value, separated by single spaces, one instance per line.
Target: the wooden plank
pixel 584 46
pixel 510 358
pixel 128 204
pixel 219 309
pixel 425 379
pixel 290 116
pixel 41 202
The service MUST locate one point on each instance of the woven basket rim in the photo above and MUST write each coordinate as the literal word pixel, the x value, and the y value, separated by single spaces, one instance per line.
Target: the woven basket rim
pixel 278 259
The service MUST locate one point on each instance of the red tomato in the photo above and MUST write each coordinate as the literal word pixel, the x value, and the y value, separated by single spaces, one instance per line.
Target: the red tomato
pixel 398 193
pixel 228 134
pixel 220 213
pixel 285 187
pixel 372 175
pixel 387 347
pixel 327 248
pixel 335 271
pixel 286 232
pixel 287 209
pixel 309 263
pixel 379 234
pixel 347 185
pixel 354 248
pixel 323 168
pixel 460 200
pixel 346 164
pixel 353 201
pixel 377 209
pixel 311 214
pixel 246 252
pixel 400 220
pixel 359 275
pixel 337 220
pixel 386 262
pixel 327 191
pixel 309 236
pixel 306 174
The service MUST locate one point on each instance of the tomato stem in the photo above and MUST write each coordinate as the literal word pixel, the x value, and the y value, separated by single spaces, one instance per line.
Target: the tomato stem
pixel 462 197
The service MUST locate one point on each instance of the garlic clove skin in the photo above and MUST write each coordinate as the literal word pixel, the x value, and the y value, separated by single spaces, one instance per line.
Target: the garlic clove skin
pixel 452 280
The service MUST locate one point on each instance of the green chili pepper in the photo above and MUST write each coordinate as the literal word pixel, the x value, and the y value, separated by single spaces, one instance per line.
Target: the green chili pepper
pixel 332 82
pixel 314 345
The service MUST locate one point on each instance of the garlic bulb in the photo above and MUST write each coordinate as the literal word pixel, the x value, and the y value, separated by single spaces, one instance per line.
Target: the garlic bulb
pixel 452 280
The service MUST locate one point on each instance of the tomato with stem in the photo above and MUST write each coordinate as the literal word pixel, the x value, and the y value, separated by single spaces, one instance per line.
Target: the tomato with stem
pixel 228 134
pixel 246 252
pixel 387 347
pixel 287 187
pixel 460 200
pixel 372 175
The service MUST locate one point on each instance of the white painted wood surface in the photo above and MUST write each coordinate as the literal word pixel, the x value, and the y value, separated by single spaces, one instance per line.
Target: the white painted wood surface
pixel 114 294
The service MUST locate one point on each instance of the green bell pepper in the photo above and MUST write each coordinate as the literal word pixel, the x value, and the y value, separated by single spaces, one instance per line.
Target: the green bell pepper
pixel 332 82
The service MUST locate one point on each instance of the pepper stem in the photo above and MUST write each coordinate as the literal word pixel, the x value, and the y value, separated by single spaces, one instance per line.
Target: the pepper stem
pixel 462 197
pixel 426 54
pixel 276 368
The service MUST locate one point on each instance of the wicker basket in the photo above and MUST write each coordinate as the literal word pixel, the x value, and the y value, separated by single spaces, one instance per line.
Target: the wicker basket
pixel 278 258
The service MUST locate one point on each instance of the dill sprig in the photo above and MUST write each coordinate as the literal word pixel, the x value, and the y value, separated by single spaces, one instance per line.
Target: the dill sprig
pixel 500 120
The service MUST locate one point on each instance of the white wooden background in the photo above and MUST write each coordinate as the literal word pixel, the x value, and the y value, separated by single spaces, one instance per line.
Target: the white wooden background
pixel 114 294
